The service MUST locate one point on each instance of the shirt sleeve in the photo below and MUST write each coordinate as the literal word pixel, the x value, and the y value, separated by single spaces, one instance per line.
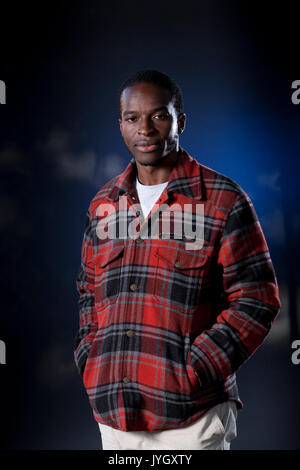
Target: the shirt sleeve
pixel 250 293
pixel 85 283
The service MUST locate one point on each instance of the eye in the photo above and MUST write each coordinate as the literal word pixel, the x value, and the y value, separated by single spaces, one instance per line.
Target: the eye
pixel 130 119
pixel 162 116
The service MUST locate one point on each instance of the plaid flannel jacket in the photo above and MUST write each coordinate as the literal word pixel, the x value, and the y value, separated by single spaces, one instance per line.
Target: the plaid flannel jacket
pixel 163 328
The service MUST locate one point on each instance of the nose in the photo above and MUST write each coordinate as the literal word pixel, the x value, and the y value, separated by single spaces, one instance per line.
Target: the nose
pixel 146 127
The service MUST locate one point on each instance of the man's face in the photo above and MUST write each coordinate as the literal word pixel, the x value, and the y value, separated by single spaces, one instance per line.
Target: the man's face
pixel 149 123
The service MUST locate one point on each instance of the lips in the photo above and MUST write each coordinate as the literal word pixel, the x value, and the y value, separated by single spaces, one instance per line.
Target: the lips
pixel 147 146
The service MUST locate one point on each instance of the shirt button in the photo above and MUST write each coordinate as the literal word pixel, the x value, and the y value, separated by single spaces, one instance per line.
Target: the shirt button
pixel 133 287
pixel 130 333
pixel 126 380
pixel 177 264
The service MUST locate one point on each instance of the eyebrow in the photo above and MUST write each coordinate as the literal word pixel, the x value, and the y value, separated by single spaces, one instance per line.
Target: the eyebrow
pixel 153 110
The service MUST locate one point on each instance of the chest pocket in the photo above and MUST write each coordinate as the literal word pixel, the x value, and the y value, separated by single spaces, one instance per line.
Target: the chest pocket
pixel 108 264
pixel 179 276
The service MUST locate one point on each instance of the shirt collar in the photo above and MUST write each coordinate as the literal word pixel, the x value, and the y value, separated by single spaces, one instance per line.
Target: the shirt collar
pixel 186 178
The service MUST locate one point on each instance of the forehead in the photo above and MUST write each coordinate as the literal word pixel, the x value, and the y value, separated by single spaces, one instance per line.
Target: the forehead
pixel 144 96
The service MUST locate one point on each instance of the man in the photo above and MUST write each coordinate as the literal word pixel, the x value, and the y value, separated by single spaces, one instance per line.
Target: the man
pixel 170 307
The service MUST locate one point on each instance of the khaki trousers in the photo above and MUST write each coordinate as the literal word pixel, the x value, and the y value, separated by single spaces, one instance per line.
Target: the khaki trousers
pixel 213 431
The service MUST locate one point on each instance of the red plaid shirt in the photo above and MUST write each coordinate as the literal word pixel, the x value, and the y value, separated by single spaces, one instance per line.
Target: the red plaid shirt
pixel 164 328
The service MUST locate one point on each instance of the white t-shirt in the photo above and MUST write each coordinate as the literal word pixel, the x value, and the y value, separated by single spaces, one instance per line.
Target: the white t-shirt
pixel 148 195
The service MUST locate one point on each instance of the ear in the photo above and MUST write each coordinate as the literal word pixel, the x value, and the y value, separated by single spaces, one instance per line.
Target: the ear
pixel 181 122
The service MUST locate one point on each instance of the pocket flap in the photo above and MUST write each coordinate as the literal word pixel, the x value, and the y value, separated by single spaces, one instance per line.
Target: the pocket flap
pixel 105 255
pixel 181 259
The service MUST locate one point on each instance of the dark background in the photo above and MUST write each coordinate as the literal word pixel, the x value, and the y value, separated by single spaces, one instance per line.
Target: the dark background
pixel 63 63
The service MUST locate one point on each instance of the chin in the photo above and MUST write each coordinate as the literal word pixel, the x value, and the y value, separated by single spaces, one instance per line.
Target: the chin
pixel 148 158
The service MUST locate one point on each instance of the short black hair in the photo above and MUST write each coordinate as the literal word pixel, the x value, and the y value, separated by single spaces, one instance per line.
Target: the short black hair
pixel 159 79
